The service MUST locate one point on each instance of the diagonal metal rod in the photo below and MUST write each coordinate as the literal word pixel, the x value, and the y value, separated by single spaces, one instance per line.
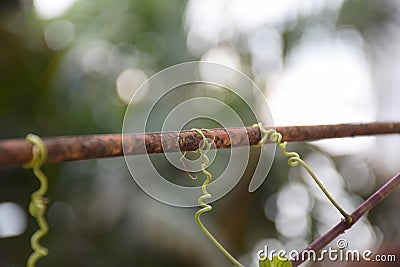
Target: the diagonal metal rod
pixel 15 152
pixel 341 227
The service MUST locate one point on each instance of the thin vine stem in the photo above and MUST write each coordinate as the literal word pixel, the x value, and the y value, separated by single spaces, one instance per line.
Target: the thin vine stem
pixel 294 160
pixel 204 149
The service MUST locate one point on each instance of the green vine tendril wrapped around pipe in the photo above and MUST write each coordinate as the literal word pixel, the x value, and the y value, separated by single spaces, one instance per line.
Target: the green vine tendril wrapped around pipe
pixel 37 206
pixel 203 149
pixel 294 160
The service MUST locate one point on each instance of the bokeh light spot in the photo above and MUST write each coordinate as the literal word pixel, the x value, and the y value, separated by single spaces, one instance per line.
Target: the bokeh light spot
pixel 128 82
pixel 95 58
pixel 49 9
pixel 223 55
pixel 12 220
pixel 293 200
pixel 59 34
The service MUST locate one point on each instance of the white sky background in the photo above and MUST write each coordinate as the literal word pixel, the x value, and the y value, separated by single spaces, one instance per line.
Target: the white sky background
pixel 326 77
pixel 386 79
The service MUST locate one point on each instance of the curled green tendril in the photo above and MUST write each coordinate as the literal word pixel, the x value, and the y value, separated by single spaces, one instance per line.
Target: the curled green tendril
pixel 37 206
pixel 184 166
pixel 294 160
pixel 203 149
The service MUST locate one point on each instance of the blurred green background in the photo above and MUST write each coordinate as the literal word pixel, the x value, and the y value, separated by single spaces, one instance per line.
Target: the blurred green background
pixel 69 67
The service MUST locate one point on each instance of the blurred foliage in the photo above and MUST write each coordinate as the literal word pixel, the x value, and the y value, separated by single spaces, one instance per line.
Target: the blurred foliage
pixel 54 92
pixel 98 216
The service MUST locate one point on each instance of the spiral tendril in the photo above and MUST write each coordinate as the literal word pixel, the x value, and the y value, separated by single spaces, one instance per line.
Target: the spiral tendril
pixel 37 206
pixel 294 160
pixel 184 166
pixel 203 149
